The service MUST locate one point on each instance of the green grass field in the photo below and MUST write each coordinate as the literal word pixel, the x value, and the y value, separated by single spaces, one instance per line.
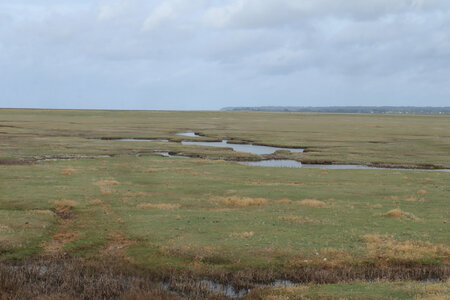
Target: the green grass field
pixel 211 217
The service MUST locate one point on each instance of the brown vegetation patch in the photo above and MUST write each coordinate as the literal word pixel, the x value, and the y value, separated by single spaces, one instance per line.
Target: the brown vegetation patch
pixel 63 208
pixel 241 201
pixel 400 214
pixel 136 194
pixel 421 192
pixel 377 206
pixel 59 240
pixel 163 206
pixel 105 185
pixel 106 182
pixel 117 246
pixel 414 199
pixel 68 278
pixel 386 247
pixel 312 203
pixel 283 201
pixel 68 171
pixel 112 278
pixel 208 254
pixel 96 202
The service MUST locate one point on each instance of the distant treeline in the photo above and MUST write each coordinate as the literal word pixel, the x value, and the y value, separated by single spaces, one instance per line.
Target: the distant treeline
pixel 349 109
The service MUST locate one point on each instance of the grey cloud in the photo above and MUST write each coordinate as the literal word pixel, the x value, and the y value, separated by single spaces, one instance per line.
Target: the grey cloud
pixel 209 54
pixel 268 13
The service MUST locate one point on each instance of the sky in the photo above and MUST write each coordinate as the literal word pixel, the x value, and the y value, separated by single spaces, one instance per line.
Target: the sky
pixel 209 54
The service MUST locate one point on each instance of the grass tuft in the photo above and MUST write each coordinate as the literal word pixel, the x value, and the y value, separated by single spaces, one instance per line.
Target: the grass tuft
pixel 163 206
pixel 241 202
pixel 399 214
pixel 68 171
pixel 283 201
pixel 63 208
pixel 421 192
pixel 96 202
pixel 312 203
pixel 107 182
pixel 414 199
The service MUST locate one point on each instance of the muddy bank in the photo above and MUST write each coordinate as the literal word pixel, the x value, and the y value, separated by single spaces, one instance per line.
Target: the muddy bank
pixel 111 278
pixel 15 162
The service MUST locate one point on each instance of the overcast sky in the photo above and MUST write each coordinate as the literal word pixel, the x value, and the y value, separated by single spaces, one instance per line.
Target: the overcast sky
pixel 207 54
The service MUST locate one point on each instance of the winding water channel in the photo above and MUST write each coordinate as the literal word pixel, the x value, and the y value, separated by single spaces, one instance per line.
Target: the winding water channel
pixel 261 150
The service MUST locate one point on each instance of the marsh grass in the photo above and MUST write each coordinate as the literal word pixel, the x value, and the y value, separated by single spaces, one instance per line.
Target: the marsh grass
pixel 394 250
pixel 279 249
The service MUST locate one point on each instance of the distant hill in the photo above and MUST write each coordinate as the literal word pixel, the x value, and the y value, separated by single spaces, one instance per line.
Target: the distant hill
pixel 348 109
